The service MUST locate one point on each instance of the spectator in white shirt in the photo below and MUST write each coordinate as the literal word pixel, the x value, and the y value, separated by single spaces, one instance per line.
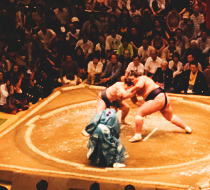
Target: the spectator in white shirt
pixel 197 18
pixel 86 45
pixel 152 63
pixel 94 70
pixel 6 90
pixel 134 68
pixel 191 58
pixel 157 6
pixel 46 36
pixel 144 50
pixel 113 40
pixel 72 36
pixel 133 12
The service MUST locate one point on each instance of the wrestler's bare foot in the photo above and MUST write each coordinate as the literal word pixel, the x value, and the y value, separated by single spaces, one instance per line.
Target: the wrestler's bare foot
pixel 85 133
pixel 136 138
pixel 118 165
pixel 123 122
pixel 188 130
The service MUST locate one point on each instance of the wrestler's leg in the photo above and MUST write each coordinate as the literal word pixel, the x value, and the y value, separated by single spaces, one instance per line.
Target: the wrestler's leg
pixel 167 113
pixel 147 108
pixel 100 105
pixel 125 110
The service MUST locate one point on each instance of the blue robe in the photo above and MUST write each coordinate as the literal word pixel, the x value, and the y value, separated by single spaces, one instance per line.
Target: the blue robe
pixel 104 147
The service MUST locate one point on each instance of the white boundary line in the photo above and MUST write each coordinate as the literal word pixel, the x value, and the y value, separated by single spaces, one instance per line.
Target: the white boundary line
pixel 150 134
pixel 30 113
pixel 82 167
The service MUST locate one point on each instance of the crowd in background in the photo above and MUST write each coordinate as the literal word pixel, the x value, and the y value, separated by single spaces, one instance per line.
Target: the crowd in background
pixel 100 42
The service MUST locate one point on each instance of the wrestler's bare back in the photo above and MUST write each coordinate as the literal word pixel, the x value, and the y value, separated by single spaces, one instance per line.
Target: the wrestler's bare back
pixel 144 85
pixel 116 91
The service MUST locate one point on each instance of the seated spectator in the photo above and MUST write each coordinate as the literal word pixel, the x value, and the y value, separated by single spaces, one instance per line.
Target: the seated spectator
pixel 172 20
pixel 55 57
pixel 135 39
pixel 195 51
pixel 82 16
pixel 159 43
pixel 181 41
pixel 124 45
pixel 5 65
pixel 152 63
pixel 113 23
pixel 163 76
pixel 38 15
pixel 20 99
pixel 144 50
pixel 175 65
pixel 158 28
pixel 134 68
pixel 206 73
pixel 53 22
pixel 133 11
pixel 20 20
pixel 157 7
pixel 103 48
pixel 114 9
pixel 183 22
pixel 202 6
pixel 69 71
pixel 193 81
pixel 112 72
pixel 125 59
pixel 137 23
pixel 125 21
pixel 46 36
pixel 191 58
pixel 170 50
pixel 197 19
pixel 1 78
pixel 181 6
pixel 114 40
pixel 35 49
pixel 79 57
pixel 86 28
pixel 189 30
pixel 61 13
pixel 86 45
pixel 94 70
pixel 72 36
pixel 147 22
pixel 204 43
pixel 62 45
pixel 103 18
pixel 6 102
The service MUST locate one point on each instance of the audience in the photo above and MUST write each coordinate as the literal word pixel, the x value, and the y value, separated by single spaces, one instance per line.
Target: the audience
pixel 64 43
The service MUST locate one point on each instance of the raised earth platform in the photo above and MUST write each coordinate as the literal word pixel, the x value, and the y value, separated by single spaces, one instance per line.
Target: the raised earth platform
pixel 46 143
